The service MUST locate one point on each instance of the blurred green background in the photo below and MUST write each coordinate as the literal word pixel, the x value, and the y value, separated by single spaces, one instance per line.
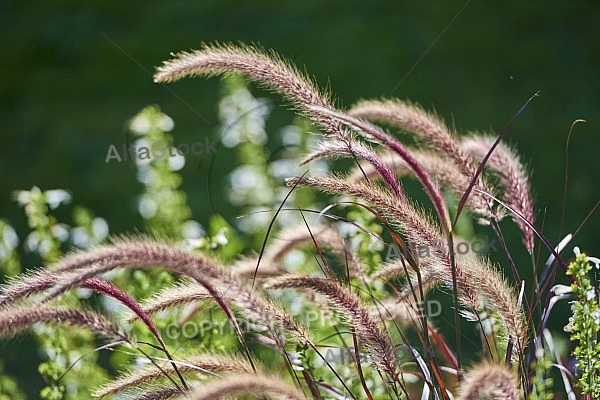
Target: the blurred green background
pixel 72 74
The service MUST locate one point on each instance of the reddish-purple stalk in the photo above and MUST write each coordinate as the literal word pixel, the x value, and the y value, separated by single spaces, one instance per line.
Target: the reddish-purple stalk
pixel 108 289
pixel 384 171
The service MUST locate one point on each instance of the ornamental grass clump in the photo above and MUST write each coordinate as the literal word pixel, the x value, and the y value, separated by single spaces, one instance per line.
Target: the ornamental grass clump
pixel 265 323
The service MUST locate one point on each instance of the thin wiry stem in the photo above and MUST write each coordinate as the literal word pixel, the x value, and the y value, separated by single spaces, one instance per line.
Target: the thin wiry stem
pixel 292 238
pixel 485 159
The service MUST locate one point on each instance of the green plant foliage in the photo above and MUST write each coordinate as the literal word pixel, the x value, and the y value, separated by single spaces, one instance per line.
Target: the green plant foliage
pixel 162 205
pixel 10 263
pixel 9 387
pixel 71 369
pixel 542 383
pixel 585 325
